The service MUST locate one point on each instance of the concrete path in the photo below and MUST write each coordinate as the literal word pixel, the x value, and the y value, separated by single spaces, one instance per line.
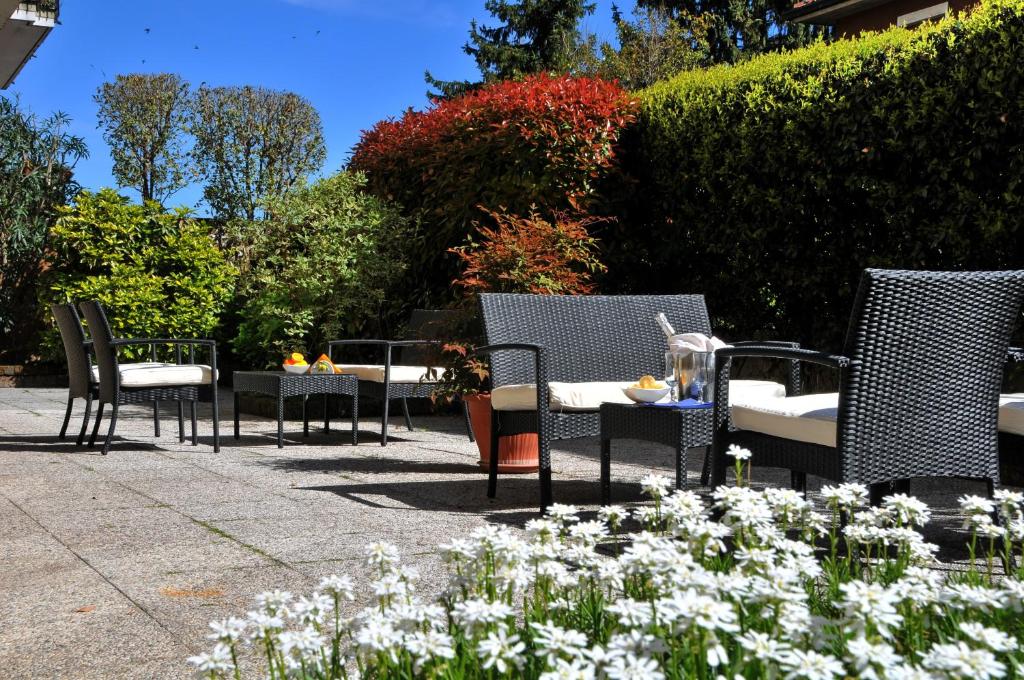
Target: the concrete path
pixel 113 566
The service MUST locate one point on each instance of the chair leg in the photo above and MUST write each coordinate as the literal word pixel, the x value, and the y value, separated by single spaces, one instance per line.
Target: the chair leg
pixel 384 422
pixel 606 471
pixel 327 413
pixel 96 425
pixel 195 424
pixel 492 465
pixel 705 471
pixel 85 420
pixel 67 417
pixel 156 418
pixel 305 415
pixel 798 481
pixel 110 430
pixel 215 406
pixel 181 423
pixel 469 423
pixel 355 420
pixel 405 412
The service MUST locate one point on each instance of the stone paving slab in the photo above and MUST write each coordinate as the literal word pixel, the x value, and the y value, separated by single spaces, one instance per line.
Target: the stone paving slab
pixel 111 567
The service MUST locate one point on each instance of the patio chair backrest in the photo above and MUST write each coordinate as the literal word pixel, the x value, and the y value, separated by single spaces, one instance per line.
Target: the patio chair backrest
pixel 928 351
pixel 586 337
pixel 106 355
pixel 426 324
pixel 73 336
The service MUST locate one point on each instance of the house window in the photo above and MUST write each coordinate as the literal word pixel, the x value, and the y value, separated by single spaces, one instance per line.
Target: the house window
pixel 912 19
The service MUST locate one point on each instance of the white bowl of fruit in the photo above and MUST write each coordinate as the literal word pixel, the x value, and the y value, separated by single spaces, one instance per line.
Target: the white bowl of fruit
pixel 647 390
pixel 295 363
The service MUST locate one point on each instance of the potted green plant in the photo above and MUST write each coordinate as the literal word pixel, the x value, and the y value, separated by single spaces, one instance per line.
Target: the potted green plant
pixel 511 254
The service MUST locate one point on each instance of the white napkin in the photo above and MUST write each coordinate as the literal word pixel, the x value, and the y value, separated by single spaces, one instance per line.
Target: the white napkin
pixel 684 343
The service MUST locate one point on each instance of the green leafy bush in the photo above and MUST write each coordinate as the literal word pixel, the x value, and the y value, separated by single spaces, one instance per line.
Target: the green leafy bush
pixel 158 273
pixel 316 269
pixel 770 185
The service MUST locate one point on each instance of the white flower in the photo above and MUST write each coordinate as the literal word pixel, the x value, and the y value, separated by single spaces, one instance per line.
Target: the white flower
pixel 381 554
pixel 228 631
pixel 631 612
pixel 563 514
pixel 338 586
pixel 430 645
pixel 575 669
pixel 994 639
pixel 300 644
pixel 811 665
pixel 871 603
pixel 378 634
pixel 845 496
pixel 474 614
pixel 272 602
pixel 612 514
pixel 907 509
pixel 553 641
pixel 632 667
pixel 655 486
pixel 263 625
pixel 964 596
pixel 976 505
pixel 738 452
pixel 867 657
pixel 958 660
pixel 313 609
pixel 762 647
pixel 217 661
pixel 501 651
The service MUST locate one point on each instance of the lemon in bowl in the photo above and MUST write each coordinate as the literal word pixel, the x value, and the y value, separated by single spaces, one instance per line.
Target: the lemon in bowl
pixel 646 390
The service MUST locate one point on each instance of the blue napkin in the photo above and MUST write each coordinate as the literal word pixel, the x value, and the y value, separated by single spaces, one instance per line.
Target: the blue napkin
pixel 685 403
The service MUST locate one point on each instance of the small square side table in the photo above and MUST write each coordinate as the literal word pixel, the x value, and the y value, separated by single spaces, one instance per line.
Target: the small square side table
pixel 281 385
pixel 680 428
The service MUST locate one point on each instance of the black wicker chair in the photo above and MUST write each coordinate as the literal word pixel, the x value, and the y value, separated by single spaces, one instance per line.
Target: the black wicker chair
pixel 424 332
pixel 539 339
pixel 1011 419
pixel 918 386
pixel 182 381
pixel 83 377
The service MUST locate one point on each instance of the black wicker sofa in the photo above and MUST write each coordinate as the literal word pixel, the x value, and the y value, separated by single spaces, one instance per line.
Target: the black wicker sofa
pixel 537 343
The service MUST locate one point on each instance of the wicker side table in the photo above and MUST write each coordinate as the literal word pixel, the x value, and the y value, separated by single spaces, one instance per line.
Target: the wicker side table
pixel 680 428
pixel 282 385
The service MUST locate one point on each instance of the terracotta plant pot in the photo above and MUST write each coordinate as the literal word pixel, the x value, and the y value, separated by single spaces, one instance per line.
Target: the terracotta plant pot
pixel 517 453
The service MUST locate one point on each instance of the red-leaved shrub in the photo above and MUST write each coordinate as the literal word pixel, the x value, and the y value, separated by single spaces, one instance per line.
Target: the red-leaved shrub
pixel 544 141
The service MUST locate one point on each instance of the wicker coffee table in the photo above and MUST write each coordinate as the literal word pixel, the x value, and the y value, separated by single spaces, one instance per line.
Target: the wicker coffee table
pixel 282 385
pixel 680 428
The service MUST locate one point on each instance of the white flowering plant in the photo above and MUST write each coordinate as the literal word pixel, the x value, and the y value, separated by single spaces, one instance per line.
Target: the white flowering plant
pixel 758 585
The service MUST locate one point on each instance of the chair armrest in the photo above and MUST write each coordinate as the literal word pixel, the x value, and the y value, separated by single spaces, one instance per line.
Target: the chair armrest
pixel 119 342
pixel 540 369
pixel 766 343
pixel 384 343
pixel 792 353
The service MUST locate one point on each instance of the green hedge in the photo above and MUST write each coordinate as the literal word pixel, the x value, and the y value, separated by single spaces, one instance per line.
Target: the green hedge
pixel 770 185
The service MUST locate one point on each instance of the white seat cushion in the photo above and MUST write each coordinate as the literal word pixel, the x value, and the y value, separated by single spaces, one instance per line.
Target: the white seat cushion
pixel 143 364
pixel 399 374
pixel 164 375
pixel 808 418
pixel 1011 413
pixel 588 396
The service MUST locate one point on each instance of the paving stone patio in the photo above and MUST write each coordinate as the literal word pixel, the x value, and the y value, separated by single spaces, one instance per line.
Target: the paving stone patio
pixel 113 566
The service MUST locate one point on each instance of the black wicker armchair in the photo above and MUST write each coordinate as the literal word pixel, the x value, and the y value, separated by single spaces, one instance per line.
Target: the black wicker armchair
pixel 918 386
pixel 405 372
pixel 536 340
pixel 182 381
pixel 1011 424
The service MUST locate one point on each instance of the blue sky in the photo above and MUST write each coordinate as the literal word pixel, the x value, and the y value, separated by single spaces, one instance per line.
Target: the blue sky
pixel 357 61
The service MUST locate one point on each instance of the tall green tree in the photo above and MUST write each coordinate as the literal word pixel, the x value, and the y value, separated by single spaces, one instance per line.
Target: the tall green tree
pixel 534 36
pixel 144 119
pixel 37 157
pixel 656 45
pixel 254 144
pixel 740 29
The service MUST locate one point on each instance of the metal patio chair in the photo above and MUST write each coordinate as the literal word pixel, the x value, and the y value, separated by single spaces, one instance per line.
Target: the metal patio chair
pixel 138 384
